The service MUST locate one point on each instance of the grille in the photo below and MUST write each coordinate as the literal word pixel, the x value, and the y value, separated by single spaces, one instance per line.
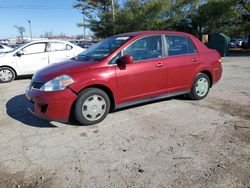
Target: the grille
pixel 36 85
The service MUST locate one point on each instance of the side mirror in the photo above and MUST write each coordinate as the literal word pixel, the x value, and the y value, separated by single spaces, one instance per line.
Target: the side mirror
pixel 20 53
pixel 126 59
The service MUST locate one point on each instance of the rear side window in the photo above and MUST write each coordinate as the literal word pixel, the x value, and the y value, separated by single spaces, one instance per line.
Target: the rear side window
pixel 191 48
pixel 59 46
pixel 179 45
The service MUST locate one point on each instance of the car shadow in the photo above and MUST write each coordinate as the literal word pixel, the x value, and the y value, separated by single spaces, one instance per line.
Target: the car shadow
pixel 17 108
pixel 24 77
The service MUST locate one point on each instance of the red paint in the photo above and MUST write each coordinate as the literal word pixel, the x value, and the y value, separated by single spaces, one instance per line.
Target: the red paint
pixel 138 80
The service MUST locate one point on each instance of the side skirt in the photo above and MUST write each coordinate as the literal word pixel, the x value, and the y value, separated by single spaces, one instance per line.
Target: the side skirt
pixel 151 99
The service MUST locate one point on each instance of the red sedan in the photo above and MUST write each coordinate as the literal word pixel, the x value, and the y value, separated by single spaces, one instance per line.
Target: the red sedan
pixel 124 70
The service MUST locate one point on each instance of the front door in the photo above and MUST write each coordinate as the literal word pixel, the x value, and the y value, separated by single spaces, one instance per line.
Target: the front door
pixel 146 76
pixel 32 58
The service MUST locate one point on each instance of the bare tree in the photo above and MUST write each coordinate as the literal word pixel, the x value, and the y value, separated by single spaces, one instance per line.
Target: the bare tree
pixel 48 34
pixel 21 30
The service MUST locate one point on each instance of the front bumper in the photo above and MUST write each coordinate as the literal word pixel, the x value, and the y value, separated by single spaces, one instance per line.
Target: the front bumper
pixel 55 105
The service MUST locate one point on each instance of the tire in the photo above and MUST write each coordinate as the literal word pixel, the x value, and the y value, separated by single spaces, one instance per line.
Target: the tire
pixel 200 87
pixel 6 74
pixel 92 106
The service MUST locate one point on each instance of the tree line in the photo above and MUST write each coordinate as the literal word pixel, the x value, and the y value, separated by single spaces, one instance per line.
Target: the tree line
pixel 108 17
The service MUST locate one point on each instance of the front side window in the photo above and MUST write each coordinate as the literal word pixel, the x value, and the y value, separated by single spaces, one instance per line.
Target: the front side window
pixel 102 49
pixel 1 47
pixel 179 45
pixel 145 48
pixel 34 48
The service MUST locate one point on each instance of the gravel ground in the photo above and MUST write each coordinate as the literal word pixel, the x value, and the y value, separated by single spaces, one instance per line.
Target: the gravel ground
pixel 172 143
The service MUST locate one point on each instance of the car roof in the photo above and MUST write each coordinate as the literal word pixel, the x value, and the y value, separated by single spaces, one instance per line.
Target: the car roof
pixel 142 33
pixel 47 40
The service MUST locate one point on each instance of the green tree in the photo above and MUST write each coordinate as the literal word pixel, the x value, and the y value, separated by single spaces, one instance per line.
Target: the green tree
pixel 97 16
pixel 194 16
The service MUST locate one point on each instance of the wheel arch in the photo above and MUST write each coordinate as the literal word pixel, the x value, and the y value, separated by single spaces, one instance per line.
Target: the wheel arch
pixel 209 74
pixel 7 66
pixel 106 90
pixel 99 86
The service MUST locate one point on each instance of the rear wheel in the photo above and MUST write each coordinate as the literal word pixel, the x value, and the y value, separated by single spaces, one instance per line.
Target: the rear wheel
pixel 92 106
pixel 6 74
pixel 200 87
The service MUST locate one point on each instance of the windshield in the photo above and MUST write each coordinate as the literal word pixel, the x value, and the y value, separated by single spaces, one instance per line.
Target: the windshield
pixel 102 49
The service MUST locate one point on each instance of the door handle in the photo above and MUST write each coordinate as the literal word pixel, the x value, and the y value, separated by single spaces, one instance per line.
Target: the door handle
pixel 194 59
pixel 159 65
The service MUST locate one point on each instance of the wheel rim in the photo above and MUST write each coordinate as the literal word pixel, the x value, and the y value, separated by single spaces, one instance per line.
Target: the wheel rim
pixel 202 87
pixel 6 75
pixel 94 107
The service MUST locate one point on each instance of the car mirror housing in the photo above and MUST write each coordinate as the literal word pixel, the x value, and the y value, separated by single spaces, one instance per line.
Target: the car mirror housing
pixel 20 53
pixel 126 59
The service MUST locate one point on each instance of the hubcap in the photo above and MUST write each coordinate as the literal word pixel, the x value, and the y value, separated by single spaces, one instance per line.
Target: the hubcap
pixel 94 107
pixel 6 75
pixel 201 87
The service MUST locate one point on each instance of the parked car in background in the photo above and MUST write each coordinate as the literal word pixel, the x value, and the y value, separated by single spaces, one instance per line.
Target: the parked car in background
pixel 85 44
pixel 234 43
pixel 14 46
pixel 32 56
pixel 124 70
pixel 245 42
pixel 4 48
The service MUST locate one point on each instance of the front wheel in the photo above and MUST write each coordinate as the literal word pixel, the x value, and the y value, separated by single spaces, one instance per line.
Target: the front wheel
pixel 200 87
pixel 6 75
pixel 92 106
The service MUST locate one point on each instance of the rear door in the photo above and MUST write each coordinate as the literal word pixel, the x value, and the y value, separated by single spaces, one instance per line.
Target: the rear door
pixel 59 51
pixel 182 60
pixel 146 76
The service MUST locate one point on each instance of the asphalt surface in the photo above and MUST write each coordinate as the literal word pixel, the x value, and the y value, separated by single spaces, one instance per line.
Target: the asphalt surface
pixel 172 143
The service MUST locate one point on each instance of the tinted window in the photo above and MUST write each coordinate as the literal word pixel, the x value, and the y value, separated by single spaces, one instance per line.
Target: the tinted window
pixel 145 48
pixel 34 48
pixel 191 48
pixel 113 61
pixel 176 45
pixel 1 47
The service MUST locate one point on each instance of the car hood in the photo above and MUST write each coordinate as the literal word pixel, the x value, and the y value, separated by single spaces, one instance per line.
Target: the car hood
pixel 5 54
pixel 2 54
pixel 57 69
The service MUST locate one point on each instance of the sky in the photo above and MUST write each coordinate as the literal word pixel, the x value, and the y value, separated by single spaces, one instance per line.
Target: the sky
pixel 57 16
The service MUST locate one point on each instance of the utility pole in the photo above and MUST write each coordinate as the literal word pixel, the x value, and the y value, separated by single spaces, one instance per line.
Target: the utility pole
pixel 84 26
pixel 113 13
pixel 30 30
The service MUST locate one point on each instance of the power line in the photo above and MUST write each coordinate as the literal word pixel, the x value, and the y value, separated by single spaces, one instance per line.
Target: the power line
pixel 32 7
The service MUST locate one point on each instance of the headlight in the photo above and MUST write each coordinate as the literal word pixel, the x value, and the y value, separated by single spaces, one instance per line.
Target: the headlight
pixel 57 84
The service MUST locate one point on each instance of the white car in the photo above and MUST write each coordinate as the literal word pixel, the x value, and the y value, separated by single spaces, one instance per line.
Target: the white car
pixel 4 48
pixel 32 56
